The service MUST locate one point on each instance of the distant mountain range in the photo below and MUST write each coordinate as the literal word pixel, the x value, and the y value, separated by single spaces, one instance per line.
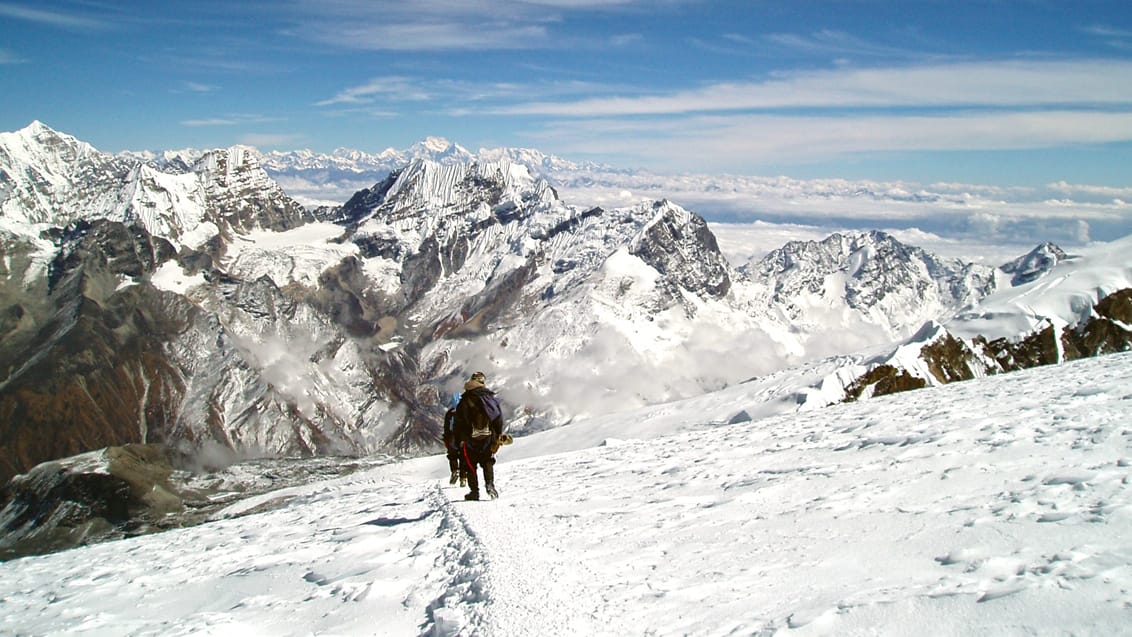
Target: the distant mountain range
pixel 1019 216
pixel 187 298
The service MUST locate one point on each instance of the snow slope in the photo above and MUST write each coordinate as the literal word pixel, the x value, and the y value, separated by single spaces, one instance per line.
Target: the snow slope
pixel 994 506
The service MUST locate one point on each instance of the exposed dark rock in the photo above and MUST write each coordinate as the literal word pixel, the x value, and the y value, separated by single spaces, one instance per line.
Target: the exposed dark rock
pixel 108 247
pixel 571 223
pixel 1105 333
pixel 92 369
pixel 342 296
pixel 110 493
pixel 681 247
pixel 488 307
pixel 363 203
pixel 137 489
pixel 884 379
pixel 1117 306
pixel 949 359
pixel 740 417
pixel 421 271
pixel 242 194
pixel 1038 348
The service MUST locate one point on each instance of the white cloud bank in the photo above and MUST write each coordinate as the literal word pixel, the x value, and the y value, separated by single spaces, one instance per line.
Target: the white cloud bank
pixel 977 84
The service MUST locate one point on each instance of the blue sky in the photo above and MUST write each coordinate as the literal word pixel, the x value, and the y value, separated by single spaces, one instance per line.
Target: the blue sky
pixel 998 92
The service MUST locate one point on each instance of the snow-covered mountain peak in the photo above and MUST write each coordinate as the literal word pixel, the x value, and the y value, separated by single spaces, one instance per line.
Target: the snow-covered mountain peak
pixel 479 188
pixel 439 149
pixel 434 144
pixel 1034 264
pixel 39 133
pixel 230 161
pixel 348 154
pixel 679 244
pixel 1063 297
pixel 875 276
pixel 39 146
pixel 52 178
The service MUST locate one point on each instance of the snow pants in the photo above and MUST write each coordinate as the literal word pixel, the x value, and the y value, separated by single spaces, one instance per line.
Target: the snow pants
pixel 475 453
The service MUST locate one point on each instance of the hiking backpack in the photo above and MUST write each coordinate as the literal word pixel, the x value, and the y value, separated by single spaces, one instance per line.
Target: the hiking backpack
pixel 485 410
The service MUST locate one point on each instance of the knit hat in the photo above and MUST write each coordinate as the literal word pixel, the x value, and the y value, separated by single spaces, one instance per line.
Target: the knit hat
pixel 475 382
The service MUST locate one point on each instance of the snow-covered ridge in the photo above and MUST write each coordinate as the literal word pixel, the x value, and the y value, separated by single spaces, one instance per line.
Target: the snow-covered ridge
pixel 52 180
pixel 897 285
pixel 1063 295
pixel 1002 502
pixel 428 184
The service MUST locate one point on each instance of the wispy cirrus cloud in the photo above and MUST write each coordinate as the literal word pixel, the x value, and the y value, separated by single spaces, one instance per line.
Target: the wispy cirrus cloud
pixel 70 21
pixel 195 87
pixel 977 84
pixel 453 96
pixel 626 39
pixel 719 141
pixel 8 57
pixel 441 25
pixel 1113 37
pixel 237 119
pixel 390 88
pixel 829 42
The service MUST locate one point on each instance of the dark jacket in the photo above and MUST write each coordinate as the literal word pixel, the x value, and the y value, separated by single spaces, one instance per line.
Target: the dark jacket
pixel 450 429
pixel 469 411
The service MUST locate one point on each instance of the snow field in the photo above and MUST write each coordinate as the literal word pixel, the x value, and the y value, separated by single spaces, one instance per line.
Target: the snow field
pixel 996 506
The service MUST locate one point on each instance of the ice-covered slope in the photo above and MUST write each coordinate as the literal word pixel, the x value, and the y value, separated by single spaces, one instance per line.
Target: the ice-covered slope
pixel 1064 296
pixel 999 505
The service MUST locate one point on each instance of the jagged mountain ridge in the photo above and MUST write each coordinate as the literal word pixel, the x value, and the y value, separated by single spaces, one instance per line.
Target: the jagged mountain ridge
pixel 1067 307
pixel 875 276
pixel 91 345
pixel 332 178
pixel 298 332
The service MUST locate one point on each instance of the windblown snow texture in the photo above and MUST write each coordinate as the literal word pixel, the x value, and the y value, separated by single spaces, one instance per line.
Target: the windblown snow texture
pixel 999 504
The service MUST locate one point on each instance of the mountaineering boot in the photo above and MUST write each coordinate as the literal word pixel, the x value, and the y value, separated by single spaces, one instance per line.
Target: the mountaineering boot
pixel 472 496
pixel 455 476
pixel 463 481
pixel 491 491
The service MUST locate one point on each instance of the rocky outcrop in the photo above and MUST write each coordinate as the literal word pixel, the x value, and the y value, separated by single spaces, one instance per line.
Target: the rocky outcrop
pixel 882 380
pixel 949 359
pixel 241 193
pixel 136 489
pixel 680 246
pixel 99 495
pixel 1105 333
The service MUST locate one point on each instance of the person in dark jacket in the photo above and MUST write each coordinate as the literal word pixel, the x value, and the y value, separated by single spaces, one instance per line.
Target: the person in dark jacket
pixel 450 444
pixel 479 425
